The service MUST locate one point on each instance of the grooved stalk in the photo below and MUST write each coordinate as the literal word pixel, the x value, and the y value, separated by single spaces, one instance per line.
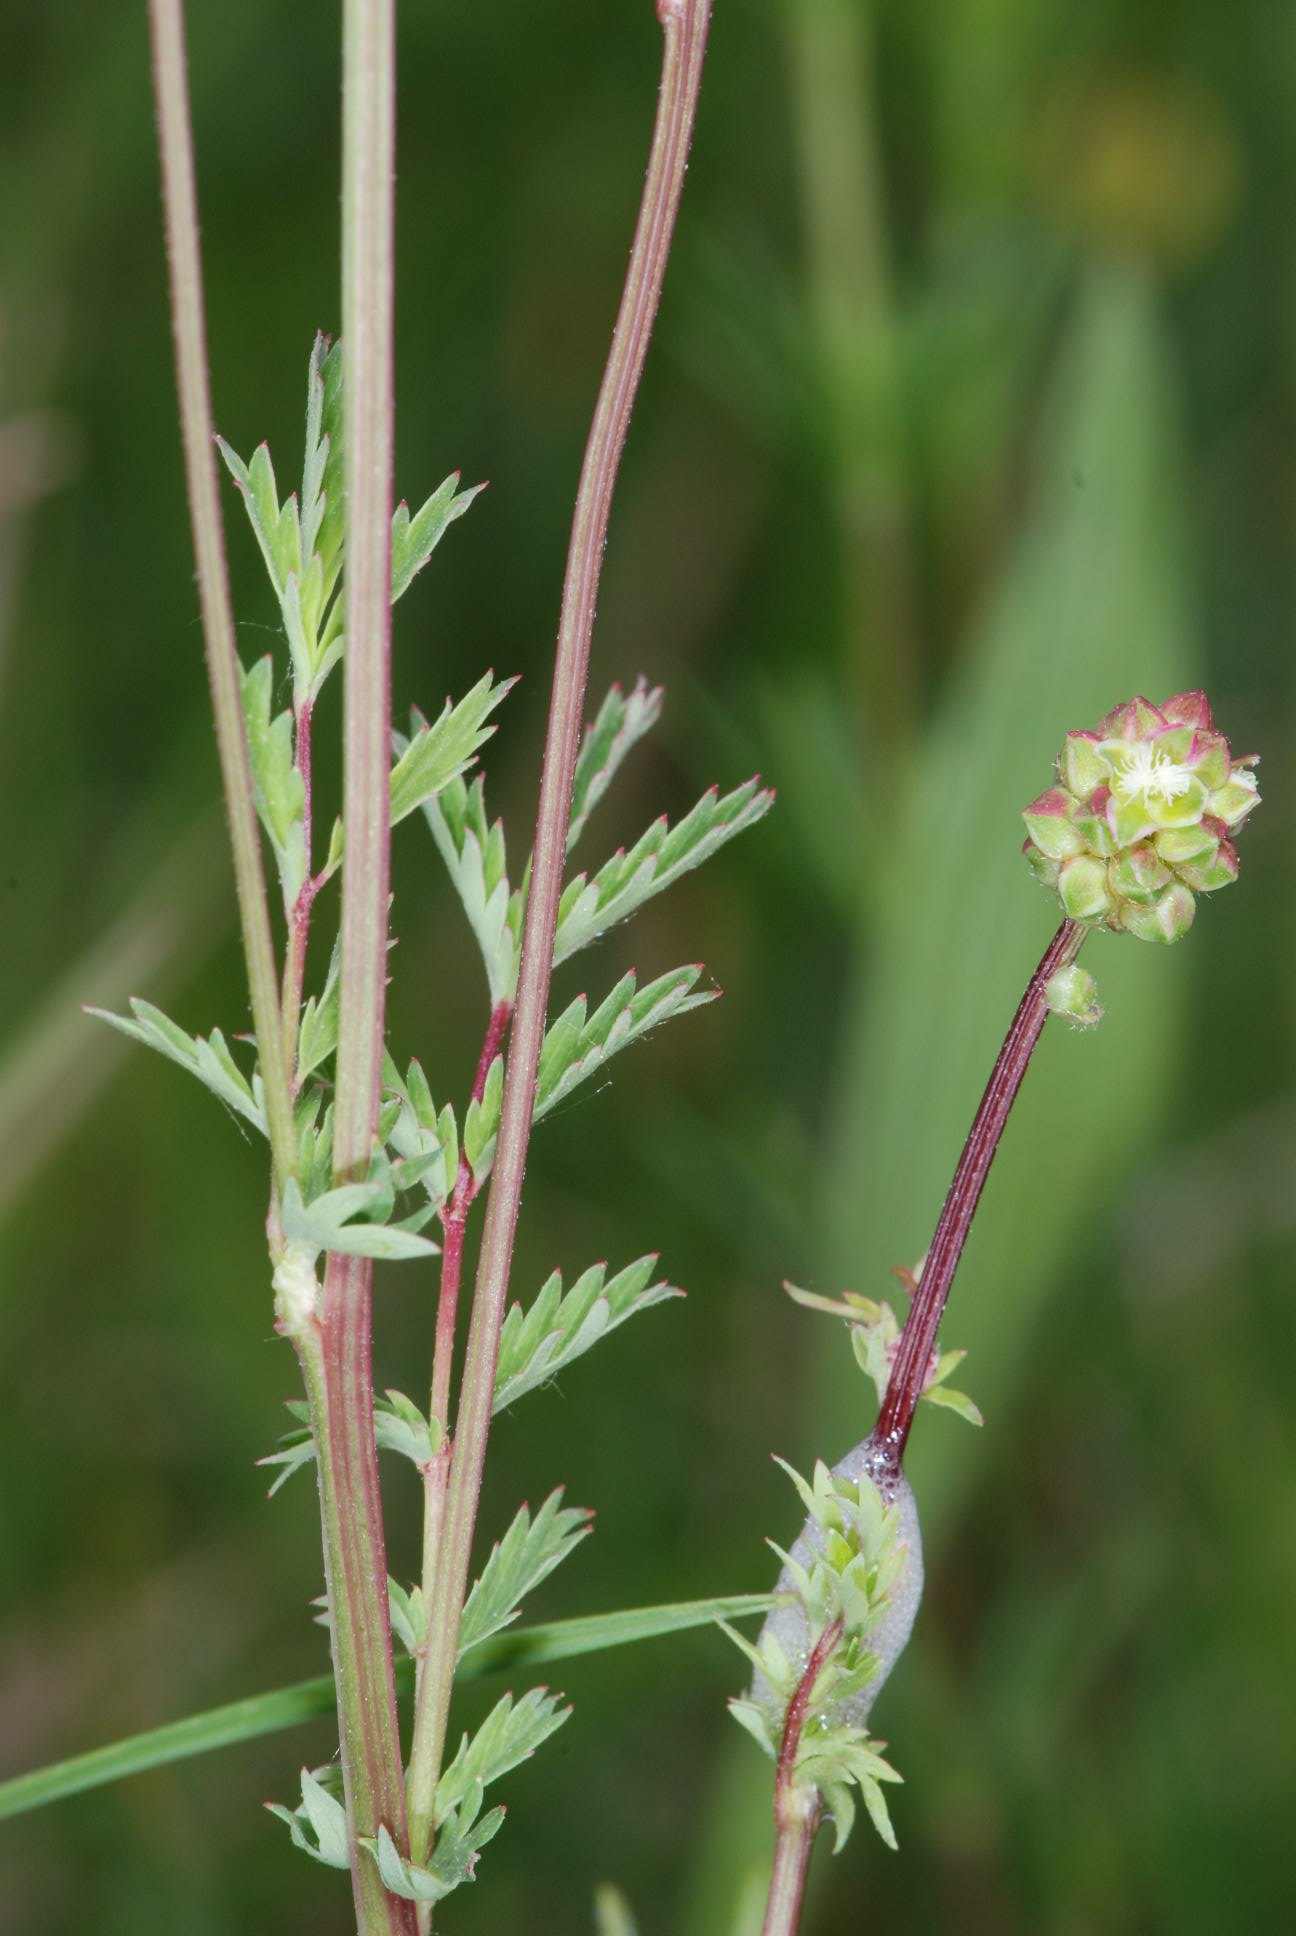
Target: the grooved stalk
pixel 180 207
pixel 796 1834
pixel 368 134
pixel 796 1808
pixel 919 1335
pixel 351 1505
pixel 334 1351
pixel 436 1476
pixel 684 24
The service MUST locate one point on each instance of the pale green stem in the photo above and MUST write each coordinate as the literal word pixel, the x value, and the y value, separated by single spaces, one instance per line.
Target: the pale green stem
pixel 337 1364
pixel 179 197
pixel 368 162
pixel 796 1834
pixel 685 27
pixel 334 1349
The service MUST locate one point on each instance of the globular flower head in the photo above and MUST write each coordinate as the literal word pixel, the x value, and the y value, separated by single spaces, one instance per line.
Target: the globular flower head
pixel 1142 817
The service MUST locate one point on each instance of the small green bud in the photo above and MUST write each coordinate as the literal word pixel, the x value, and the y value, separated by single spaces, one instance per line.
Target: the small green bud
pixel 1073 992
pixel 1138 824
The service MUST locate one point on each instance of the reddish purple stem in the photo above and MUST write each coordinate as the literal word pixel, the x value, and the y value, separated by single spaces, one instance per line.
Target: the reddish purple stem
pixel 795 1718
pixel 913 1356
pixel 299 919
pixel 455 1222
pixel 796 1812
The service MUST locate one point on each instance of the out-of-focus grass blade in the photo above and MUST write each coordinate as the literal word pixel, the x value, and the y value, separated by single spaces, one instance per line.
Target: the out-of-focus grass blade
pixel 288 1707
pixel 612 1913
pixel 57 1060
pixel 592 1633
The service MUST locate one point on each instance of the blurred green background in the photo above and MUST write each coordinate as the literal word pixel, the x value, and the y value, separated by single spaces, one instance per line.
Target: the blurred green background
pixel 970 413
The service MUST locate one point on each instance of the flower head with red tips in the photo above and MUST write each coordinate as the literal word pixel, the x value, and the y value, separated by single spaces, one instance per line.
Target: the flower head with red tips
pixel 1141 819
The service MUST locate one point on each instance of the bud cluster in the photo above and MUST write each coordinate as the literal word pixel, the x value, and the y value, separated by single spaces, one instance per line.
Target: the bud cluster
pixel 1140 821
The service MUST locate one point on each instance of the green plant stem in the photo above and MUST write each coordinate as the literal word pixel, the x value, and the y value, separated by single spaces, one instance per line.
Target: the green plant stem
pixel 336 1365
pixel 368 162
pixel 792 1846
pixel 684 23
pixel 334 1351
pixel 913 1354
pixel 180 206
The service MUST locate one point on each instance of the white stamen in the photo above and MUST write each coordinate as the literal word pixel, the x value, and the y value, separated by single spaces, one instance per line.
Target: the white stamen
pixel 1146 770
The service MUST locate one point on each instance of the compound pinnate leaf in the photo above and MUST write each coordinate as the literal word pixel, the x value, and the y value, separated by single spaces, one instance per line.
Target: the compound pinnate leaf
pixel 408 1616
pixel 399 1426
pixel 322 520
pixel 590 906
pixel 414 539
pixel 473 851
pixel 318 1824
pixel 420 1134
pixel 537 1344
pixel 875 1337
pixel 318 1031
pixel 294 1450
pixel 577 1044
pixel 439 752
pixel 207 1058
pixel 304 550
pixel 336 1221
pixel 481 1120
pixel 620 722
pixel 277 785
pixel 453 1860
pixel 277 527
pixel 509 1735
pixel 527 1554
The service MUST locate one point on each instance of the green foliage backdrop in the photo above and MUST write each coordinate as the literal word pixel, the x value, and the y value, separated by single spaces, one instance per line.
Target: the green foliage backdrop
pixel 970 413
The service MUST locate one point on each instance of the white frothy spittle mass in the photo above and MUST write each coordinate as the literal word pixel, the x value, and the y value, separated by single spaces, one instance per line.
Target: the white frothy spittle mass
pixel 788 1622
